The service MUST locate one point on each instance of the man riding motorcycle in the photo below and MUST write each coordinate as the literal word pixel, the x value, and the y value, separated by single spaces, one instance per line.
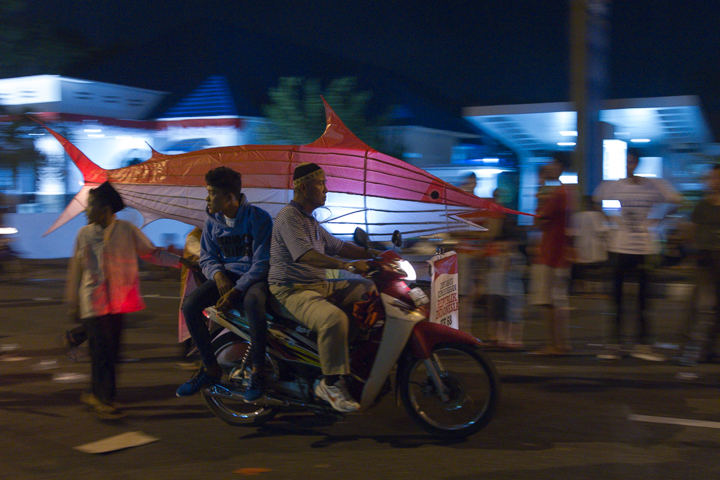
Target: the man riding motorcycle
pixel 301 250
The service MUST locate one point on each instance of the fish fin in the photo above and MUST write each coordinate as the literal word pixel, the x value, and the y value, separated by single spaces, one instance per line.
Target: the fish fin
pixel 155 154
pixel 471 225
pixel 337 134
pixel 75 207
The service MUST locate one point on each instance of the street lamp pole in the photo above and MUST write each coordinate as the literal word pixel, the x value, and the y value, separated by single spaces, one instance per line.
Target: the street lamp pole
pixel 589 48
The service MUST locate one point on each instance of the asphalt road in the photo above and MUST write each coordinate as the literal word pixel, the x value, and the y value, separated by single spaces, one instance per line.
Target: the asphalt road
pixel 574 417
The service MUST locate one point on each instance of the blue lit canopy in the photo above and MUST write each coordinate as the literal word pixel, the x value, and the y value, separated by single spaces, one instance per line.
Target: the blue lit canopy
pixel 667 122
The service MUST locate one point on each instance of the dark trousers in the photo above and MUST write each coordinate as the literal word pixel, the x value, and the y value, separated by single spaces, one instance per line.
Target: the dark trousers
pixel 207 295
pixel 103 335
pixel 710 276
pixel 625 264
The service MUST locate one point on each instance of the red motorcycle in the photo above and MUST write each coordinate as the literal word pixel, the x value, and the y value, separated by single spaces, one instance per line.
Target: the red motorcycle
pixel 446 384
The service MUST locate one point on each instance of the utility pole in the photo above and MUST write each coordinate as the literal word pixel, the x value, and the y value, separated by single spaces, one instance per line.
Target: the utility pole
pixel 589 48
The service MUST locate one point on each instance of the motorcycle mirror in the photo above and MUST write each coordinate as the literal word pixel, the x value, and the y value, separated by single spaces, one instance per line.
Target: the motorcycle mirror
pixel 397 239
pixel 360 237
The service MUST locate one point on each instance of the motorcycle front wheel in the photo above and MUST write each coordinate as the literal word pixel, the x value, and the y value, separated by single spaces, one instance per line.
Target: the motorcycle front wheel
pixel 471 384
pixel 229 350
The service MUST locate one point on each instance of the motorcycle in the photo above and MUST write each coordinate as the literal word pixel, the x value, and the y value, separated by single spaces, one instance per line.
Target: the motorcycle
pixel 446 384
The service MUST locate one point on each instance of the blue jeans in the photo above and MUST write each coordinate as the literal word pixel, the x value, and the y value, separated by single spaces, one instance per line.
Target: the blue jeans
pixel 207 295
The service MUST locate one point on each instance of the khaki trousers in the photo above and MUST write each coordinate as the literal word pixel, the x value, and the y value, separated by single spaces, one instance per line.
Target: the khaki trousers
pixel 322 308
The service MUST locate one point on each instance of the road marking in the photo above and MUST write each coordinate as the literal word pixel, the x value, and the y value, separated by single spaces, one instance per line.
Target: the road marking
pixel 26 300
pixel 674 421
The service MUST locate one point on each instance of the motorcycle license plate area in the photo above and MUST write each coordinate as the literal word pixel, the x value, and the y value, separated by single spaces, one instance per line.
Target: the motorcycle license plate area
pixel 418 296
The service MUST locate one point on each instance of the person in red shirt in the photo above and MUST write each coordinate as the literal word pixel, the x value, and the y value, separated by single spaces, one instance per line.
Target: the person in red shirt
pixel 551 273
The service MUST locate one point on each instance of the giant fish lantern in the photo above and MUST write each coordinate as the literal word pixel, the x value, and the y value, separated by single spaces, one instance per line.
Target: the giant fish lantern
pixel 366 188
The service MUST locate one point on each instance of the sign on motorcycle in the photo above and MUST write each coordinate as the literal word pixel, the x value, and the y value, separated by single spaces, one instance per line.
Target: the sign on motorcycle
pixel 444 287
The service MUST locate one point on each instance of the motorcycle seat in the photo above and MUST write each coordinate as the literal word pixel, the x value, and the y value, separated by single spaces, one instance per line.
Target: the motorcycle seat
pixel 281 316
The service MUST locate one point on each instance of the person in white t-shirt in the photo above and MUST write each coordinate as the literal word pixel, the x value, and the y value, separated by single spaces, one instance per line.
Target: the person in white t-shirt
pixel 590 231
pixel 633 243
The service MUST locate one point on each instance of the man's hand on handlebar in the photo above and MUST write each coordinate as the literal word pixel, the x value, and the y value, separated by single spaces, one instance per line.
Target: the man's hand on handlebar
pixel 357 266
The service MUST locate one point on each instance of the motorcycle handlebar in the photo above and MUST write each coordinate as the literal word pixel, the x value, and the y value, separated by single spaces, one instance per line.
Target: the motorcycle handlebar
pixel 376 266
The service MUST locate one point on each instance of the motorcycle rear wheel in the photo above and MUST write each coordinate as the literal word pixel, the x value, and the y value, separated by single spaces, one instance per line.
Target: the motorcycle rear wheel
pixel 229 350
pixel 472 383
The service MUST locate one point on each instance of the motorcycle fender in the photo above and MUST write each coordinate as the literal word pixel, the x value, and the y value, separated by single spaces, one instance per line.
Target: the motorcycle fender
pixel 426 335
pixel 395 337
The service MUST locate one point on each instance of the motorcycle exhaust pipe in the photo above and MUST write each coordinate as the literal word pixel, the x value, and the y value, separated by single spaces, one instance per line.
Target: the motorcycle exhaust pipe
pixel 219 391
pixel 222 392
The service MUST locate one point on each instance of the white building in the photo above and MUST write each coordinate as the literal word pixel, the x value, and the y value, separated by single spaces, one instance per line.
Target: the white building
pixel 109 124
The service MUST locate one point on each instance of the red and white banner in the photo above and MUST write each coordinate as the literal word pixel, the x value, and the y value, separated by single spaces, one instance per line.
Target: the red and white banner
pixel 444 289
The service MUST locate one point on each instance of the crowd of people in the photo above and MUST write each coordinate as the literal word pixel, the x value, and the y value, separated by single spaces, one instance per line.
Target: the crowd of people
pixel 241 256
pixel 510 272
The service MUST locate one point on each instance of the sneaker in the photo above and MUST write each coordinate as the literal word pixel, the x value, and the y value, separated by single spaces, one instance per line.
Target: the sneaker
pixel 644 352
pixel 337 396
pixel 73 351
pixel 689 356
pixel 199 381
pixel 612 352
pixel 77 354
pixel 103 410
pixel 255 388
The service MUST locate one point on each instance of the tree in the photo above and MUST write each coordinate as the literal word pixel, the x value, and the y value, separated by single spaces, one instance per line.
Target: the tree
pixel 296 114
pixel 29 46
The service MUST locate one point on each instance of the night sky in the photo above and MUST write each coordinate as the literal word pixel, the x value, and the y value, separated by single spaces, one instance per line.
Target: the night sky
pixel 468 52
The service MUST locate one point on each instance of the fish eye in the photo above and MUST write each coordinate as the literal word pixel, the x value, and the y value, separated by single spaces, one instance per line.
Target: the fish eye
pixel 434 194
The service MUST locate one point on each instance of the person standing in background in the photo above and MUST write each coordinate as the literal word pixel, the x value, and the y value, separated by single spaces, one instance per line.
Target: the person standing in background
pixel 705 219
pixel 550 277
pixel 632 245
pixel 590 231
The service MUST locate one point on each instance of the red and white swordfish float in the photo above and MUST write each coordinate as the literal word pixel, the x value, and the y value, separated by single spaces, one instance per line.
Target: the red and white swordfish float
pixel 367 189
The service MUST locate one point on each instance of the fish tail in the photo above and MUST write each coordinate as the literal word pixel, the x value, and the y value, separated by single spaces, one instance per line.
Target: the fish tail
pixel 92 173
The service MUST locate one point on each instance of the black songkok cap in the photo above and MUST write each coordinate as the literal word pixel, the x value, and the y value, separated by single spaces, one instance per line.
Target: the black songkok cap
pixel 305 172
pixel 109 196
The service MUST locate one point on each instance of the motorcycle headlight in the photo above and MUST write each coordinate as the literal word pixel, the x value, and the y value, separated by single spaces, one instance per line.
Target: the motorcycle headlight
pixel 408 268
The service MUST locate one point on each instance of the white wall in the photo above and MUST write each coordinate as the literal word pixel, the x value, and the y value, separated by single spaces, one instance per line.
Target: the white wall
pixel 29 242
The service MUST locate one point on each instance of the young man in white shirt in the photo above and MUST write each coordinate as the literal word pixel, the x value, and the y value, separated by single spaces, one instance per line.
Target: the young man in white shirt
pixel 633 243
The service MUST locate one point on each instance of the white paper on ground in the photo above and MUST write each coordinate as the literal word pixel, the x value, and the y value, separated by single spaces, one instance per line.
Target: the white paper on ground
pixel 11 357
pixel 71 377
pixel 118 442
pixel 45 365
